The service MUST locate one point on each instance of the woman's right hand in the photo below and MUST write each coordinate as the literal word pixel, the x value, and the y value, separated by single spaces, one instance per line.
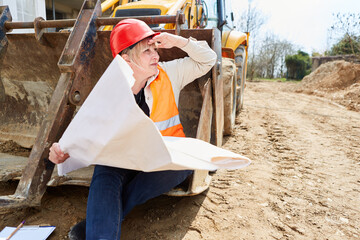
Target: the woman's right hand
pixel 168 40
pixel 56 155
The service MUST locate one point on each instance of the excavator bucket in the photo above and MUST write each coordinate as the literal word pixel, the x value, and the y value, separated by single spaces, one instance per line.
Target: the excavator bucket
pixel 29 75
pixel 45 76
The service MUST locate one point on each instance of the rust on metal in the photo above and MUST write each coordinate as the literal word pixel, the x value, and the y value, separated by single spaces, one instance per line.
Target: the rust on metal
pixel 39 32
pixel 147 19
pixel 18 25
pixel 77 53
pixel 204 126
pixel 218 100
pixel 99 21
pixel 178 22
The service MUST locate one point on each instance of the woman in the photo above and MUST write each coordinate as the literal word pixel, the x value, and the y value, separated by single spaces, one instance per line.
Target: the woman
pixel 114 191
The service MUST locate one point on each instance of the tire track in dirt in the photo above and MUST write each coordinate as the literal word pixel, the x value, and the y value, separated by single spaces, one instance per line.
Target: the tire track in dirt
pixel 312 148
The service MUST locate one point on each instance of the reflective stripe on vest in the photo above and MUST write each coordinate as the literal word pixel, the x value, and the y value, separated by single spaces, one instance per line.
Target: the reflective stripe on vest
pixel 164 112
pixel 163 125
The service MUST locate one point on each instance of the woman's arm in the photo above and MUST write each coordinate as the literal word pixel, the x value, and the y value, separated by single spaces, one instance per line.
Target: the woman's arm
pixel 168 40
pixel 185 70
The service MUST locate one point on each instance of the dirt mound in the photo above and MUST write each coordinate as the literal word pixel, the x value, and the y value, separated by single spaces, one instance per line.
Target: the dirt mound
pixel 14 148
pixel 337 80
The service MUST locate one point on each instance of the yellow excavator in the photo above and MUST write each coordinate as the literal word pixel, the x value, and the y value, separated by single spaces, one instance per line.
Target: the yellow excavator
pixel 45 76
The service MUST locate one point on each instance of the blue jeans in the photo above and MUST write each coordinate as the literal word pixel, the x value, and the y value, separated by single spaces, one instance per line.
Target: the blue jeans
pixel 115 191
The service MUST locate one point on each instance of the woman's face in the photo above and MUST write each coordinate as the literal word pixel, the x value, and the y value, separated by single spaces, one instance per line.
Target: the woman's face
pixel 144 60
pixel 149 59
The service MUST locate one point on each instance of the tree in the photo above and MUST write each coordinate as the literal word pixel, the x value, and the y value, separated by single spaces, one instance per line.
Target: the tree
pixel 251 21
pixel 347 45
pixel 270 57
pixel 345 31
pixel 298 65
pixel 285 48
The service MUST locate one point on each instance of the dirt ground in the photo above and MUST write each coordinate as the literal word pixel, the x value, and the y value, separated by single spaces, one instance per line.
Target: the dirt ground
pixel 303 183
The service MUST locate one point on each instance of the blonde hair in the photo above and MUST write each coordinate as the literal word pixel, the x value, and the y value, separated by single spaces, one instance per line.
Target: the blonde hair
pixel 134 53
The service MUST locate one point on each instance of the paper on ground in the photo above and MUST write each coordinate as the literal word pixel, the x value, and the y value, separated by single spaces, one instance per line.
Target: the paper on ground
pixel 110 129
pixel 27 232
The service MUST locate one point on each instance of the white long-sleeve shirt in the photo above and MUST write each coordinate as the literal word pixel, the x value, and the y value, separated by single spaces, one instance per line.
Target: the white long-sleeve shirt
pixel 185 70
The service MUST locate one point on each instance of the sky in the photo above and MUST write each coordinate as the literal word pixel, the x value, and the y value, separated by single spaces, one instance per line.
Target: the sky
pixel 302 22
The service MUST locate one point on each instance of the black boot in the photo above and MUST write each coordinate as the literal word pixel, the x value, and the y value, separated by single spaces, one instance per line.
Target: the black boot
pixel 78 231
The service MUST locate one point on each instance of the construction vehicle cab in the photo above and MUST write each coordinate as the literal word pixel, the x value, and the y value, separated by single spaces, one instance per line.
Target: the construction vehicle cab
pixel 45 76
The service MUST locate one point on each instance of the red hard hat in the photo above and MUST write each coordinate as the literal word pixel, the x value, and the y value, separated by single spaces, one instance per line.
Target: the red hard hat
pixel 128 32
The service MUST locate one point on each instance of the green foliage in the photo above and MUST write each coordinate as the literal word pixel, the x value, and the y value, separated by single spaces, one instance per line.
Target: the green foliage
pixel 298 65
pixel 316 54
pixel 346 32
pixel 347 45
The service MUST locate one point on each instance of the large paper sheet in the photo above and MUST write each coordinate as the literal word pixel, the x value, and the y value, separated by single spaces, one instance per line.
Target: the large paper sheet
pixel 110 129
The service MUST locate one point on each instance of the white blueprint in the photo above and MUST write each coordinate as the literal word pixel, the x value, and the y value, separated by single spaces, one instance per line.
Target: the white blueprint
pixel 110 129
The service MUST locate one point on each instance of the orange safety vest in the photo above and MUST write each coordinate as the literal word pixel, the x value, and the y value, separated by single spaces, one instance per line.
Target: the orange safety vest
pixel 164 112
